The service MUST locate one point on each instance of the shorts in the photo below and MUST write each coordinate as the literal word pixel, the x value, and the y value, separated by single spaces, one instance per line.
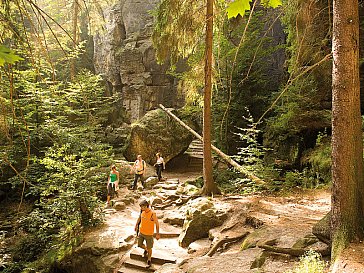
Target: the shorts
pixel 148 239
pixel 111 189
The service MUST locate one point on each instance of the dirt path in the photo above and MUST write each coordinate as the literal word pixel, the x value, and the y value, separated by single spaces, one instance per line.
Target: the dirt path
pixel 284 219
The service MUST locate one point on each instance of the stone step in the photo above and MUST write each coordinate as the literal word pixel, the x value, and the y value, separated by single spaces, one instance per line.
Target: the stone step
pixel 165 186
pixel 124 269
pixel 157 257
pixel 171 181
pixel 139 265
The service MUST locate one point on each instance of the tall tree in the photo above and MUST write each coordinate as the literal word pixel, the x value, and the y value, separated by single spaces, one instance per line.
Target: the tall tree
pixel 347 148
pixel 209 187
pixel 74 36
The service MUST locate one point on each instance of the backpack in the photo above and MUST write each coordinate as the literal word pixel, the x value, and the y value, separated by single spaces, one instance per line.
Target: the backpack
pixel 143 164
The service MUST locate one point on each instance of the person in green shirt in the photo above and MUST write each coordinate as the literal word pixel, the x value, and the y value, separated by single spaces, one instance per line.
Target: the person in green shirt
pixel 112 184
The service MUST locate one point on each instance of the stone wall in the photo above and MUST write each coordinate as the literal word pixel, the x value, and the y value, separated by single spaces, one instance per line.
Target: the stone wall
pixel 125 57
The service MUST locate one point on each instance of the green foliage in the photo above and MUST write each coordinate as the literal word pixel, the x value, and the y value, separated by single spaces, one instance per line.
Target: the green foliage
pixel 50 130
pixel 8 56
pixel 250 155
pixel 30 247
pixel 251 152
pixel 243 82
pixel 311 262
pixel 293 179
pixel 178 29
pixel 319 159
pixel 302 108
pixel 239 7
pixel 226 179
pixel 300 111
pixel 62 122
pixel 66 183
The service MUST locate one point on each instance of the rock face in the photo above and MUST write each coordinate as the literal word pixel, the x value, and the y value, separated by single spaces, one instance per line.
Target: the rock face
pixel 124 55
pixel 200 218
pixel 156 132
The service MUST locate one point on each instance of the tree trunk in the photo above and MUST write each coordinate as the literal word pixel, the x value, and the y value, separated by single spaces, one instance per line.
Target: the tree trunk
pixel 347 151
pixel 74 37
pixel 209 187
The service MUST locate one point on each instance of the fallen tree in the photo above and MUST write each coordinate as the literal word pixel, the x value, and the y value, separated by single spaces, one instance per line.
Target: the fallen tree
pixel 224 156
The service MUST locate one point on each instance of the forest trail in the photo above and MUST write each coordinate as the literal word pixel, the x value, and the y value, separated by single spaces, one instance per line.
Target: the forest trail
pixel 285 219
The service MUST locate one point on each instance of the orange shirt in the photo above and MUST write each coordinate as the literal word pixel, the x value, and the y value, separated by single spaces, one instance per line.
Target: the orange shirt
pixel 147 223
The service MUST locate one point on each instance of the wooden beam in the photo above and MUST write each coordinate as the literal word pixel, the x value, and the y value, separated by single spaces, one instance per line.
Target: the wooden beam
pixel 224 156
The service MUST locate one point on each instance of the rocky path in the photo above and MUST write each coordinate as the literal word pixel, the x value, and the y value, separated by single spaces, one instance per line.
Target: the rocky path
pixel 284 220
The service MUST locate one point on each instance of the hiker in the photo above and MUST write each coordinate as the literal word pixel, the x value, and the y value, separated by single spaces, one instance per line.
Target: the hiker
pixel 145 228
pixel 112 184
pixel 138 168
pixel 159 166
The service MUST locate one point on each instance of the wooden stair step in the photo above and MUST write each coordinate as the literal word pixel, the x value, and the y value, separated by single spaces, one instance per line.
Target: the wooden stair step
pixel 124 269
pixel 167 235
pixel 157 258
pixel 140 265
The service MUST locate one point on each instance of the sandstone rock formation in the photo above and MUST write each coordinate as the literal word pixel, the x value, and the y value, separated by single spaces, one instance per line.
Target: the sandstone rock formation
pixel 124 55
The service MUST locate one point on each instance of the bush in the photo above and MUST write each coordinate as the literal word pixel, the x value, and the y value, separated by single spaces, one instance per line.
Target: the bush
pixel 311 262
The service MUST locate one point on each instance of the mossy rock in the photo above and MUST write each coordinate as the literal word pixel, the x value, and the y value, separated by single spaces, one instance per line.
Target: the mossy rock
pixel 157 132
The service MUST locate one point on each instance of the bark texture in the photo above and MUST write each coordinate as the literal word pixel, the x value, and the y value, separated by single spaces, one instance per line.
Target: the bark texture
pixel 209 187
pixel 347 150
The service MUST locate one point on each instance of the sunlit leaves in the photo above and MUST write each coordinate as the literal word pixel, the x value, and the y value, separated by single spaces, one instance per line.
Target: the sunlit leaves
pixel 241 6
pixel 272 3
pixel 8 56
pixel 238 7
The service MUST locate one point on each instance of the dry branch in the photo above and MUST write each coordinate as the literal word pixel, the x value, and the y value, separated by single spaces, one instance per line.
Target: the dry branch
pixel 225 240
pixel 297 252
pixel 224 156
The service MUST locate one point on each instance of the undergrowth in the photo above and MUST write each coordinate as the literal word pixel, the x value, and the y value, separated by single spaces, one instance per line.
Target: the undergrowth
pixel 311 262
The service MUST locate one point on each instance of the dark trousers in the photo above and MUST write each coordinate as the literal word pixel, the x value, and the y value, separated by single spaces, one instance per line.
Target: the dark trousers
pixel 136 177
pixel 158 169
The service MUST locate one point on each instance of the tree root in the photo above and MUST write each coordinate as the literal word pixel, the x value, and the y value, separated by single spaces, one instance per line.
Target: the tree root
pixel 179 201
pixel 296 252
pixel 223 241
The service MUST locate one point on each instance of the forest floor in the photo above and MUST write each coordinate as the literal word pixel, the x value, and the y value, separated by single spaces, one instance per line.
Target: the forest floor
pixel 287 218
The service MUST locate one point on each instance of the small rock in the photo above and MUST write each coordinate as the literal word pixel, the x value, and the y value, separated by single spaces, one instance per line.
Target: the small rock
pixel 119 205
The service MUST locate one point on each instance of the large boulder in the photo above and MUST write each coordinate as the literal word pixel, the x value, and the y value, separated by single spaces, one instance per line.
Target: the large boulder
pixel 157 132
pixel 201 216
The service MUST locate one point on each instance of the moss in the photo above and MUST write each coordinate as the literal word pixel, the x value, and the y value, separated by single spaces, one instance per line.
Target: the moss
pixel 340 241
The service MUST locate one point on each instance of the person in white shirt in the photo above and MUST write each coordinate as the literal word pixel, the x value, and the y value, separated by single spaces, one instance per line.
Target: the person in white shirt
pixel 139 169
pixel 159 166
